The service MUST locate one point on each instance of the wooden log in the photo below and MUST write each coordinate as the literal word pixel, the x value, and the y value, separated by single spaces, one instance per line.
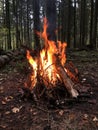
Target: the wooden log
pixel 10 55
pixel 66 80
pixel 4 59
pixel 72 71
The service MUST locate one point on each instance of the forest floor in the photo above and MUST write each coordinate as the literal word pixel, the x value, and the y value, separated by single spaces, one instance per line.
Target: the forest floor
pixel 19 114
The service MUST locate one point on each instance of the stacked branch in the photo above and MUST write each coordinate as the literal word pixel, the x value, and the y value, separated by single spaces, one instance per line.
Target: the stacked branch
pixel 68 83
pixel 48 65
pixel 65 79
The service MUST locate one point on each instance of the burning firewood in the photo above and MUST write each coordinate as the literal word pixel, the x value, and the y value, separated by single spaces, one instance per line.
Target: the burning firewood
pixel 66 80
pixel 48 66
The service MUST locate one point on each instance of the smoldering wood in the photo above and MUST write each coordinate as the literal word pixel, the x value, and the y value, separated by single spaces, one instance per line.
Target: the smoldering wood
pixel 68 83
pixel 42 80
pixel 51 101
pixel 72 71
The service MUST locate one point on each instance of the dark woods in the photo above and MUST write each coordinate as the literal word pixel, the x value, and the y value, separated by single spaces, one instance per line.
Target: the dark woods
pixel 72 21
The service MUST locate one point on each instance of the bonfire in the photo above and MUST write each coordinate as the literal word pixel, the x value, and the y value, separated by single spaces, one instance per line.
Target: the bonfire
pixel 49 67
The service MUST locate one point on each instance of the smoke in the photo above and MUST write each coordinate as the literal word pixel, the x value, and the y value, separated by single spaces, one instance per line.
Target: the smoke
pixel 51 18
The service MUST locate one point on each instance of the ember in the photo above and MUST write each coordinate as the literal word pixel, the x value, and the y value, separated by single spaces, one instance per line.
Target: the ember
pixel 48 67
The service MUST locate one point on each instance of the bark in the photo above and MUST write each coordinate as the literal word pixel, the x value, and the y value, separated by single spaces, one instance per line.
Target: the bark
pixel 72 72
pixel 28 32
pixel 69 23
pixel 96 25
pixel 82 23
pixel 21 22
pixel 36 24
pixel 66 80
pixel 4 59
pixel 91 23
pixel 15 11
pixel 75 23
pixel 8 24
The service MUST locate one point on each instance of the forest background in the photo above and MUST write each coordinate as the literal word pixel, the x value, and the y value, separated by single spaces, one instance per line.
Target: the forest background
pixel 75 20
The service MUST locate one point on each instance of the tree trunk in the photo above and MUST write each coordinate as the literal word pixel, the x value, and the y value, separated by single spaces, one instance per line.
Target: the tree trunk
pixel 64 22
pixel 82 23
pixel 36 18
pixel 28 32
pixel 59 22
pixel 96 25
pixel 15 9
pixel 69 22
pixel 8 24
pixel 75 23
pixel 21 21
pixel 91 23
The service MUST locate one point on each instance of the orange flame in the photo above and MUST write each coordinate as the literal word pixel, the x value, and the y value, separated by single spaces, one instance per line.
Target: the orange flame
pixel 45 64
pixel 33 64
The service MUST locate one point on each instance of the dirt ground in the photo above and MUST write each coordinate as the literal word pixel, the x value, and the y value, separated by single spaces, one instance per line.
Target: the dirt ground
pixel 19 114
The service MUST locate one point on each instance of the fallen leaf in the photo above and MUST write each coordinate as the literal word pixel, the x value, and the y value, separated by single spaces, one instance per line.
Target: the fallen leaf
pixel 84 79
pixel 61 112
pixel 95 119
pixel 3 102
pixel 15 110
pixel 85 116
pixel 7 112
pixel 34 113
pixel 1 79
pixel 72 116
pixel 8 98
pixel 3 126
pixel 92 101
pixel 1 89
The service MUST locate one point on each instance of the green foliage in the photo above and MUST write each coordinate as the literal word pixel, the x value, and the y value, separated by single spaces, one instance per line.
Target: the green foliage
pixel 3 38
pixel 74 24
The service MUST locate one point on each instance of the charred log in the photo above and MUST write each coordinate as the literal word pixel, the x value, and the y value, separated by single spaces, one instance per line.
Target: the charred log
pixel 66 80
